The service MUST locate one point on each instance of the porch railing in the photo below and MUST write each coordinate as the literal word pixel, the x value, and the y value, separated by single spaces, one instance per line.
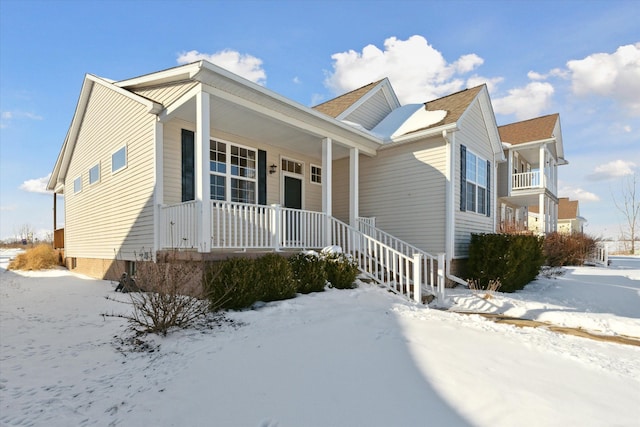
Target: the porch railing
pixel 389 261
pixel 525 180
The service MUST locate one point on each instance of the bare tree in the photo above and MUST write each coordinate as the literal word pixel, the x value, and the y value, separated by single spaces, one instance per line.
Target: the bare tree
pixel 24 232
pixel 629 206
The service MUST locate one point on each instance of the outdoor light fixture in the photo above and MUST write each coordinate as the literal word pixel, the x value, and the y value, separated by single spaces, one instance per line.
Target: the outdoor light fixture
pixel 272 169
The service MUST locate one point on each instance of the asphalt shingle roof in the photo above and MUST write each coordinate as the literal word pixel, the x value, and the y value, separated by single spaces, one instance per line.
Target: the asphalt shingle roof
pixel 529 130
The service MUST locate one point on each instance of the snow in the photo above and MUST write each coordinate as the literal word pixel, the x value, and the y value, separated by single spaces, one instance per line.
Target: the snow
pixel 361 357
pixel 406 119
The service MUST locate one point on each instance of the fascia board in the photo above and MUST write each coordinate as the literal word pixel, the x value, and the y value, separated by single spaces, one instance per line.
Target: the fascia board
pixel 184 72
pixel 427 133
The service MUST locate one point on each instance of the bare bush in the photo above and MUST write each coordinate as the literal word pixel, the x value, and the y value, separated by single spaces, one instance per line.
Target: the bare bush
pixel 492 286
pixel 165 303
pixel 41 257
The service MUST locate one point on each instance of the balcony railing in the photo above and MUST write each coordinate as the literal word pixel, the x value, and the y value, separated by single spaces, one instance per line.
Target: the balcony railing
pixel 521 181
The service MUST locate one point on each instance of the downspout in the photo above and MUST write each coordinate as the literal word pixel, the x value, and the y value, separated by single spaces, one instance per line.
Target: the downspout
pixel 450 209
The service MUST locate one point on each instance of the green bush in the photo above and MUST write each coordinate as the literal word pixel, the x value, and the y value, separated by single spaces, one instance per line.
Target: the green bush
pixel 308 272
pixel 341 270
pixel 233 281
pixel 512 259
pixel 568 249
pixel 274 278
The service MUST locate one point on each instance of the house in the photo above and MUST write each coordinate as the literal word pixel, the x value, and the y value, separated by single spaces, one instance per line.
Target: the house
pixel 569 219
pixel 533 149
pixel 198 159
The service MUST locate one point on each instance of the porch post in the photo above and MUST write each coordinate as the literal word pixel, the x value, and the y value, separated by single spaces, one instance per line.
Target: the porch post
pixel 354 190
pixel 327 173
pixel 158 192
pixel 510 169
pixel 203 189
pixel 542 166
pixel 542 214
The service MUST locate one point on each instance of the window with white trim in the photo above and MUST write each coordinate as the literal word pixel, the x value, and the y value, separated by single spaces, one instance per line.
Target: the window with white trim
pixel 119 159
pixel 291 166
pixel 232 167
pixel 94 174
pixel 476 183
pixel 316 174
pixel 77 185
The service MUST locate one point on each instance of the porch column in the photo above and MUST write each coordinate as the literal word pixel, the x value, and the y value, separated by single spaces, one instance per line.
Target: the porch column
pixel 327 174
pixel 542 166
pixel 158 194
pixel 354 190
pixel 542 212
pixel 510 172
pixel 203 189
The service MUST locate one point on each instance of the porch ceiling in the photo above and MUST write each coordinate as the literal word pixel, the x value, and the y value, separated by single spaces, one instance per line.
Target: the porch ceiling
pixel 247 124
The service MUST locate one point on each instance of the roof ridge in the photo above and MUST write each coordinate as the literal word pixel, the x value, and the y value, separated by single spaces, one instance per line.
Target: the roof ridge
pixel 456 93
pixel 531 119
pixel 350 92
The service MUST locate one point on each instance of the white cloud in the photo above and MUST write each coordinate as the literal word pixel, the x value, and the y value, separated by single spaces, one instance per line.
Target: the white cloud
pixel 38 185
pixel 525 102
pixel 244 65
pixel 6 117
pixel 491 82
pixel 576 193
pixel 417 71
pixel 614 169
pixel 615 75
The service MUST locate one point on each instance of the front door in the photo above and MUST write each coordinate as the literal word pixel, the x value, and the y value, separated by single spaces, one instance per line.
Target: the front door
pixel 292 192
pixel 293 200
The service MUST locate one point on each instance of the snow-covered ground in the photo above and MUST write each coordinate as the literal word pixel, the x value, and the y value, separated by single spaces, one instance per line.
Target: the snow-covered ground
pixel 360 357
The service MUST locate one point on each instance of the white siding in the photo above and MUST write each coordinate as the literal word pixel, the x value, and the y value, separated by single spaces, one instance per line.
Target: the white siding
pixel 473 134
pixel 115 215
pixel 340 189
pixel 404 188
pixel 371 112
pixel 172 165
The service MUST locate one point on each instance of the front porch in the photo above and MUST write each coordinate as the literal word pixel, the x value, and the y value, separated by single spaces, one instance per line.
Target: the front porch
pixel 239 227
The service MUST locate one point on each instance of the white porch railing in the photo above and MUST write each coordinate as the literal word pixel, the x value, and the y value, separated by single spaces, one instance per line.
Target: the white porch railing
pixel 391 262
pixel 600 255
pixel 525 180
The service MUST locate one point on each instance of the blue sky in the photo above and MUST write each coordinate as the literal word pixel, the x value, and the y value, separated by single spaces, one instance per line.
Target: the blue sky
pixel 577 58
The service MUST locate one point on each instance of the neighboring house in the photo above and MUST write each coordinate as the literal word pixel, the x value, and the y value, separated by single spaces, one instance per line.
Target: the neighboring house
pixel 529 177
pixel 199 159
pixel 569 219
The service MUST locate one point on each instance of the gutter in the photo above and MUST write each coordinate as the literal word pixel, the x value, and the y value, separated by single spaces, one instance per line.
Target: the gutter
pixel 450 214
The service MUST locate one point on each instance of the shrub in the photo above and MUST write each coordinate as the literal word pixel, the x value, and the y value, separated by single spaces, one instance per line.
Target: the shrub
pixel 308 272
pixel 510 259
pixel 568 249
pixel 274 278
pixel 233 281
pixel 40 257
pixel 164 305
pixel 341 270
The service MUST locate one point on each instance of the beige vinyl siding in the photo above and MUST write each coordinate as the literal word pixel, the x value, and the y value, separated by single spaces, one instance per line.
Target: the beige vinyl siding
pixel 114 216
pixel 166 94
pixel 340 189
pixel 473 134
pixel 173 163
pixel 372 112
pixel 404 188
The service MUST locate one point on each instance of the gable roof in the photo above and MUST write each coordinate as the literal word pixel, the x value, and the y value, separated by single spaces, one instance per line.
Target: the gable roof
pixel 336 106
pixel 567 209
pixel 455 105
pixel 537 129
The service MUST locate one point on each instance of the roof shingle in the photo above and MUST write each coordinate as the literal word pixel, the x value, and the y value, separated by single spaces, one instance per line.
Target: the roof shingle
pixel 529 130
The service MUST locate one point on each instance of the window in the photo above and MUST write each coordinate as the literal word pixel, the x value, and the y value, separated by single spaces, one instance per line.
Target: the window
pixel 475 183
pixel 119 160
pixel 94 174
pixel 291 166
pixel 233 167
pixel 316 174
pixel 77 185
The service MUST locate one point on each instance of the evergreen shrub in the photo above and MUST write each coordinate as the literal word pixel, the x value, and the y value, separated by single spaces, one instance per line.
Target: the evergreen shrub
pixel 233 281
pixel 308 272
pixel 512 259
pixel 341 270
pixel 274 278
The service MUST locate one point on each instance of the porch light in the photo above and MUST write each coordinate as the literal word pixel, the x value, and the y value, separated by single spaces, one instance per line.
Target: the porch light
pixel 272 169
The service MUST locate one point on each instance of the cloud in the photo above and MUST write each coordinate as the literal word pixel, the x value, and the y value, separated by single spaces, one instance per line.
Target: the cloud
pixel 6 117
pixel 614 169
pixel 615 75
pixel 417 71
pixel 244 65
pixel 525 102
pixel 38 185
pixel 8 208
pixel 576 193
pixel 491 82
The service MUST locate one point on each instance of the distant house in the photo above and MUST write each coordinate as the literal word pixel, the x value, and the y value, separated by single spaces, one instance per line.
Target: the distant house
pixel 534 150
pixel 569 219
pixel 198 159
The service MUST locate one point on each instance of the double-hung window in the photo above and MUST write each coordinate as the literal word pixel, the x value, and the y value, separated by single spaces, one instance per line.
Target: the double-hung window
pixel 475 188
pixel 232 172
